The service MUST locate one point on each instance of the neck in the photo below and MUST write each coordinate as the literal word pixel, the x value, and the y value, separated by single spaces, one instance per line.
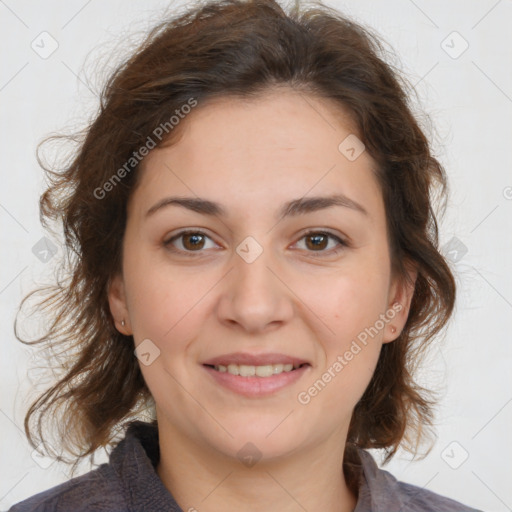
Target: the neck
pixel 202 479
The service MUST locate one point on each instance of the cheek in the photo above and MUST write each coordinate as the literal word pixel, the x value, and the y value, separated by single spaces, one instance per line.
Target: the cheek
pixel 351 307
pixel 346 380
pixel 169 309
pixel 349 301
pixel 166 303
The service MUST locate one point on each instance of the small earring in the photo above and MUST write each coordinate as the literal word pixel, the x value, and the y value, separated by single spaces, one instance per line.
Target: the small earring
pixel 122 323
pixel 393 329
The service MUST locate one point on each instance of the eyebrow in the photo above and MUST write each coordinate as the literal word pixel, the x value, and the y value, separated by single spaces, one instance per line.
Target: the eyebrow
pixel 290 209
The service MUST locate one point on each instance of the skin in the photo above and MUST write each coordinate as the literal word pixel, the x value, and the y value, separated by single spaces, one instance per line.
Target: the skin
pixel 251 156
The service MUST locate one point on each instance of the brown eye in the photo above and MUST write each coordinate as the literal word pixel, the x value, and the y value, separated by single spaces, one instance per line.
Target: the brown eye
pixel 321 242
pixel 317 241
pixel 189 242
pixel 192 241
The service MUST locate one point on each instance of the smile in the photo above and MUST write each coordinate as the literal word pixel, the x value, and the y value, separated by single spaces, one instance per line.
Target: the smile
pixel 256 381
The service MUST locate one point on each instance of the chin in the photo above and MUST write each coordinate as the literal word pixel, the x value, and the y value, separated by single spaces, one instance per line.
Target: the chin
pixel 271 436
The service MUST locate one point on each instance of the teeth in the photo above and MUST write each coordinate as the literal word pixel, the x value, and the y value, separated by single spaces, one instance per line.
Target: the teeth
pixel 277 368
pixel 260 371
pixel 247 371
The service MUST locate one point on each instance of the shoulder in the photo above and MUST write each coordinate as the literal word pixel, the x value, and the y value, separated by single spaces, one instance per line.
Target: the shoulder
pixel 96 491
pixel 380 491
pixel 417 499
pixel 129 481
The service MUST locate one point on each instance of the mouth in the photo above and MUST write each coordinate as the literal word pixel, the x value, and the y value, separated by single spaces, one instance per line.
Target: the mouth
pixel 253 375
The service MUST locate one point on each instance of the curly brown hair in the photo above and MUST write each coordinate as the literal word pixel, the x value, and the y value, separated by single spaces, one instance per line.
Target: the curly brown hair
pixel 223 49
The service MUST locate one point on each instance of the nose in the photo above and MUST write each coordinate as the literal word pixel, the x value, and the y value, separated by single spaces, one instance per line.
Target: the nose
pixel 255 297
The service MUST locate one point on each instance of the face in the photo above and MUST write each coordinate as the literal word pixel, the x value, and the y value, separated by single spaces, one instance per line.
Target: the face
pixel 242 276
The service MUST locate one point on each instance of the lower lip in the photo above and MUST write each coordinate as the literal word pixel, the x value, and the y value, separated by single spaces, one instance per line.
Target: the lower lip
pixel 255 387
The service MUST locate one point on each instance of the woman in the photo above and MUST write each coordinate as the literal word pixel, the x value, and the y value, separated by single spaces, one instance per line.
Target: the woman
pixel 250 211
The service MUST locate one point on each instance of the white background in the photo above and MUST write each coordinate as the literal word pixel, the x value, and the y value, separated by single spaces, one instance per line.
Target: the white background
pixel 469 100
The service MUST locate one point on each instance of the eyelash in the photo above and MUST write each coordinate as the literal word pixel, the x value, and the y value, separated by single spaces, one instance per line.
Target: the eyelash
pixel 342 243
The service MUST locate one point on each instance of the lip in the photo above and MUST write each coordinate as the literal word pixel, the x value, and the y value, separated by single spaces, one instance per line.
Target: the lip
pixel 256 387
pixel 254 359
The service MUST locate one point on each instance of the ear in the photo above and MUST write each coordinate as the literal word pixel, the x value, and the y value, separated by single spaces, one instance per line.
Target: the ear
pixel 117 303
pixel 399 303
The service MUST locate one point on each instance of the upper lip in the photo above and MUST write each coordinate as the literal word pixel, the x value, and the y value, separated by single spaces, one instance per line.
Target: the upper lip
pixel 254 359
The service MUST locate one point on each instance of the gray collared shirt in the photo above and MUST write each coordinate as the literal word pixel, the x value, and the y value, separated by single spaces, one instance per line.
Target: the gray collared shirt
pixel 129 482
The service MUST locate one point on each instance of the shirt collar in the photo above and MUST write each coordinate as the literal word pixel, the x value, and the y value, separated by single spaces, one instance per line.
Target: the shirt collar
pixel 378 489
pixel 134 460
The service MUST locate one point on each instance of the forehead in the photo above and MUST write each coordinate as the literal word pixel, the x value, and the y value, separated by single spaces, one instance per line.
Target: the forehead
pixel 278 121
pixel 283 144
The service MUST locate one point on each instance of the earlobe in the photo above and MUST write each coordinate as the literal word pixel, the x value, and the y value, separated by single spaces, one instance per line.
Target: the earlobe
pixel 399 304
pixel 118 306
